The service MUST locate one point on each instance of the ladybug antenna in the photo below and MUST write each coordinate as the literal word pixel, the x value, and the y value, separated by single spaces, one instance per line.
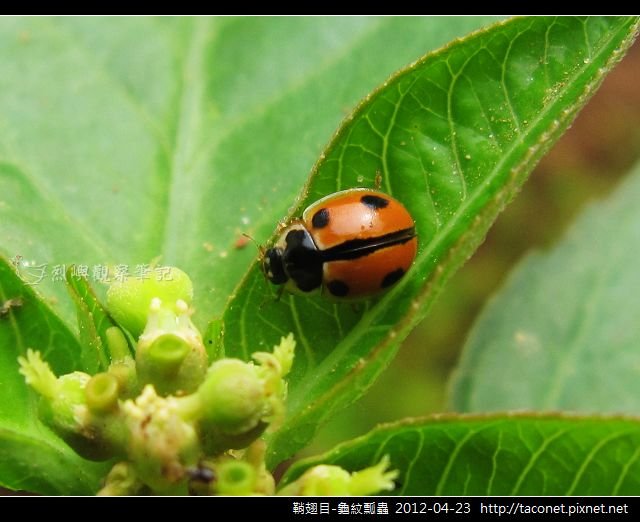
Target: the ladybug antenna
pixel 258 245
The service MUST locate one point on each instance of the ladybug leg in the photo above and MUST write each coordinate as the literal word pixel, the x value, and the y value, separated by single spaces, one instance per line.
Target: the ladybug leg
pixel 282 225
pixel 273 298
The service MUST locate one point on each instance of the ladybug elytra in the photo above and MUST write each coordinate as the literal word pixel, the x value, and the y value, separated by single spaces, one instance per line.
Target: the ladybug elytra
pixel 351 244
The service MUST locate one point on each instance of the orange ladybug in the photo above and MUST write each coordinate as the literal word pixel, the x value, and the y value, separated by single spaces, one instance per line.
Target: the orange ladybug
pixel 351 244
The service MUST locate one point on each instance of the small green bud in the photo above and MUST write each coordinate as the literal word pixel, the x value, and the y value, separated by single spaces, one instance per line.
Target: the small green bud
pixel 238 401
pixel 167 353
pixel 63 406
pixel 128 301
pixel 235 477
pixel 232 397
pixel 117 344
pixel 102 393
pixel 70 396
pixel 170 353
pixel 76 406
pixel 326 480
pixel 124 371
pixel 61 396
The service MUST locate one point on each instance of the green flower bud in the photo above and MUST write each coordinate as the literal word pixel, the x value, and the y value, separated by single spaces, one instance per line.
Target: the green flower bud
pixel 239 400
pixel 124 371
pixel 232 397
pixel 128 301
pixel 170 353
pixel 235 477
pixel 326 480
pixel 117 344
pixel 167 353
pixel 80 408
pixel 101 393
pixel 61 396
pixel 69 398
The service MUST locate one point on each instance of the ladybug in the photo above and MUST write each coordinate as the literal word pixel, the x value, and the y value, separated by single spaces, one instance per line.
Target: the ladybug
pixel 351 244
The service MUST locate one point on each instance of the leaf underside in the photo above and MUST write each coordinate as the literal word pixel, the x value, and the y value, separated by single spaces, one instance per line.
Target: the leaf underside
pixel 563 332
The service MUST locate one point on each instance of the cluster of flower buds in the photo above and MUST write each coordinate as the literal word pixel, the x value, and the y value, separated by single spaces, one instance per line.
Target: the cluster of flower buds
pixel 174 423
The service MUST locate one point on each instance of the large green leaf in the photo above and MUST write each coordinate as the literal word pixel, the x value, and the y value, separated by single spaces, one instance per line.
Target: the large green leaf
pixel 127 139
pixel 499 455
pixel 563 334
pixel 453 136
pixel 31 456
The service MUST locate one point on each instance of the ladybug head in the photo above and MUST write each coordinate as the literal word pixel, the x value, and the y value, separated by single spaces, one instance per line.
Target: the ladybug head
pixel 273 266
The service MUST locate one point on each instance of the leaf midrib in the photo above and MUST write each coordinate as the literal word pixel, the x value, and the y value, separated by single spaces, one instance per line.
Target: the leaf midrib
pixel 189 107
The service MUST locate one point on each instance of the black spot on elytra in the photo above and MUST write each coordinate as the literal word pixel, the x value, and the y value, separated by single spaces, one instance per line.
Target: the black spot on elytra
pixel 392 278
pixel 338 288
pixel 374 202
pixel 321 218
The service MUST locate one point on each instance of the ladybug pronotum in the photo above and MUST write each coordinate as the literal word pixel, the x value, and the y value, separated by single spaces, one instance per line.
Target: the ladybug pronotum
pixel 351 244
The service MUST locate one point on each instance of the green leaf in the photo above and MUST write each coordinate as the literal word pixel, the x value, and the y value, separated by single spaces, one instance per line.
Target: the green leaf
pixel 93 322
pixel 453 136
pixel 124 140
pixel 32 458
pixel 36 461
pixel 563 332
pixel 499 455
pixel 127 139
